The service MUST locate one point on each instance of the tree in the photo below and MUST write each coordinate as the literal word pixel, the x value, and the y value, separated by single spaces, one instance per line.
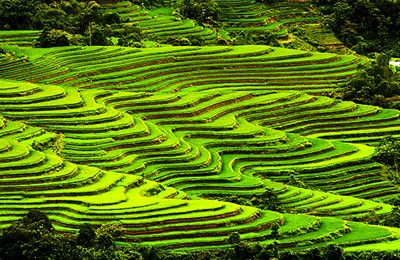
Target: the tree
pixel 376 84
pixel 86 236
pixel 389 153
pixel 392 219
pixel 333 252
pixel 63 22
pixel 107 235
pixel 267 1
pixel 150 3
pixel 234 238
pixel 32 237
pixel 275 230
pixel 366 26
pixel 90 16
pixel 18 14
pixel 129 35
pixel 204 11
pixel 52 38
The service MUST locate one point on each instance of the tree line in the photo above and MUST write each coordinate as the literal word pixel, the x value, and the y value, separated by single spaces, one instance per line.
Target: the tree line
pixel 376 83
pixel 74 22
pixel 34 237
pixel 365 26
pixel 66 23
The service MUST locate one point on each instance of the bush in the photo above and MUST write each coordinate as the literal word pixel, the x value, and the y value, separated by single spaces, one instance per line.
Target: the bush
pixel 375 84
pixel 18 14
pixel 32 237
pixel 129 35
pixel 366 26
pixel 150 3
pixel 204 11
pixel 262 38
pixel 178 41
pixel 53 38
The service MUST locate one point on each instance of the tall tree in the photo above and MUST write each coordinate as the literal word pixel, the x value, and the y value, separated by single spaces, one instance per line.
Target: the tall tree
pixel 18 14
pixel 389 153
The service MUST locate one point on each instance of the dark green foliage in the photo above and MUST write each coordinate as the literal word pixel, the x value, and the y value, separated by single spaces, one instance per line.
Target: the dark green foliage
pixel 234 238
pixel 68 22
pixel 71 16
pixel 51 38
pixel 185 41
pixel 243 251
pixel 155 190
pixel 275 230
pixel 68 18
pixel 151 253
pixel 99 35
pixel 204 11
pixel 376 84
pixel 106 1
pixel 150 3
pixel 267 200
pixel 107 235
pixel 32 237
pixel 36 217
pixel 333 252
pixel 395 201
pixel 177 41
pixel 366 26
pixel 86 236
pixel 294 181
pixel 330 252
pixel 389 153
pixel 128 35
pixel 267 1
pixel 196 40
pixel 111 18
pixel 392 219
pixel 262 38
pixel 18 14
pixel 370 255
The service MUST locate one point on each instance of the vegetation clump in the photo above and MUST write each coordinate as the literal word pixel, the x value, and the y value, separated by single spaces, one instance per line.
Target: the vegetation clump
pixel 268 200
pixel 68 23
pixel 389 153
pixel 204 11
pixel 366 26
pixel 376 84
pixel 34 237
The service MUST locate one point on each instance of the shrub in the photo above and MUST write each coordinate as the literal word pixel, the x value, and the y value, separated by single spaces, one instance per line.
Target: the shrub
pixel 18 14
pixel 52 38
pixel 204 11
pixel 178 41
pixel 234 238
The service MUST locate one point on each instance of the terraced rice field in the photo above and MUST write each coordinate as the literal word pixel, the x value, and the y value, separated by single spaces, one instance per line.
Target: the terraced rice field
pixel 159 24
pixel 145 137
pixel 116 134
pixel 20 38
pixel 251 16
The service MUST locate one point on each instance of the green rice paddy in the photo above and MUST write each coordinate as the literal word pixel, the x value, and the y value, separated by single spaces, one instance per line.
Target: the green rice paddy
pixel 143 138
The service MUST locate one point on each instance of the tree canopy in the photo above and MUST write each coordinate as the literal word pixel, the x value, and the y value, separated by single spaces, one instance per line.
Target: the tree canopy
pixel 366 26
pixel 68 22
pixel 376 84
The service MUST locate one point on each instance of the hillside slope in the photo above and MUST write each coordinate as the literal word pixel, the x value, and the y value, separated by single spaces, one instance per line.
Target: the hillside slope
pixel 178 144
pixel 167 114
